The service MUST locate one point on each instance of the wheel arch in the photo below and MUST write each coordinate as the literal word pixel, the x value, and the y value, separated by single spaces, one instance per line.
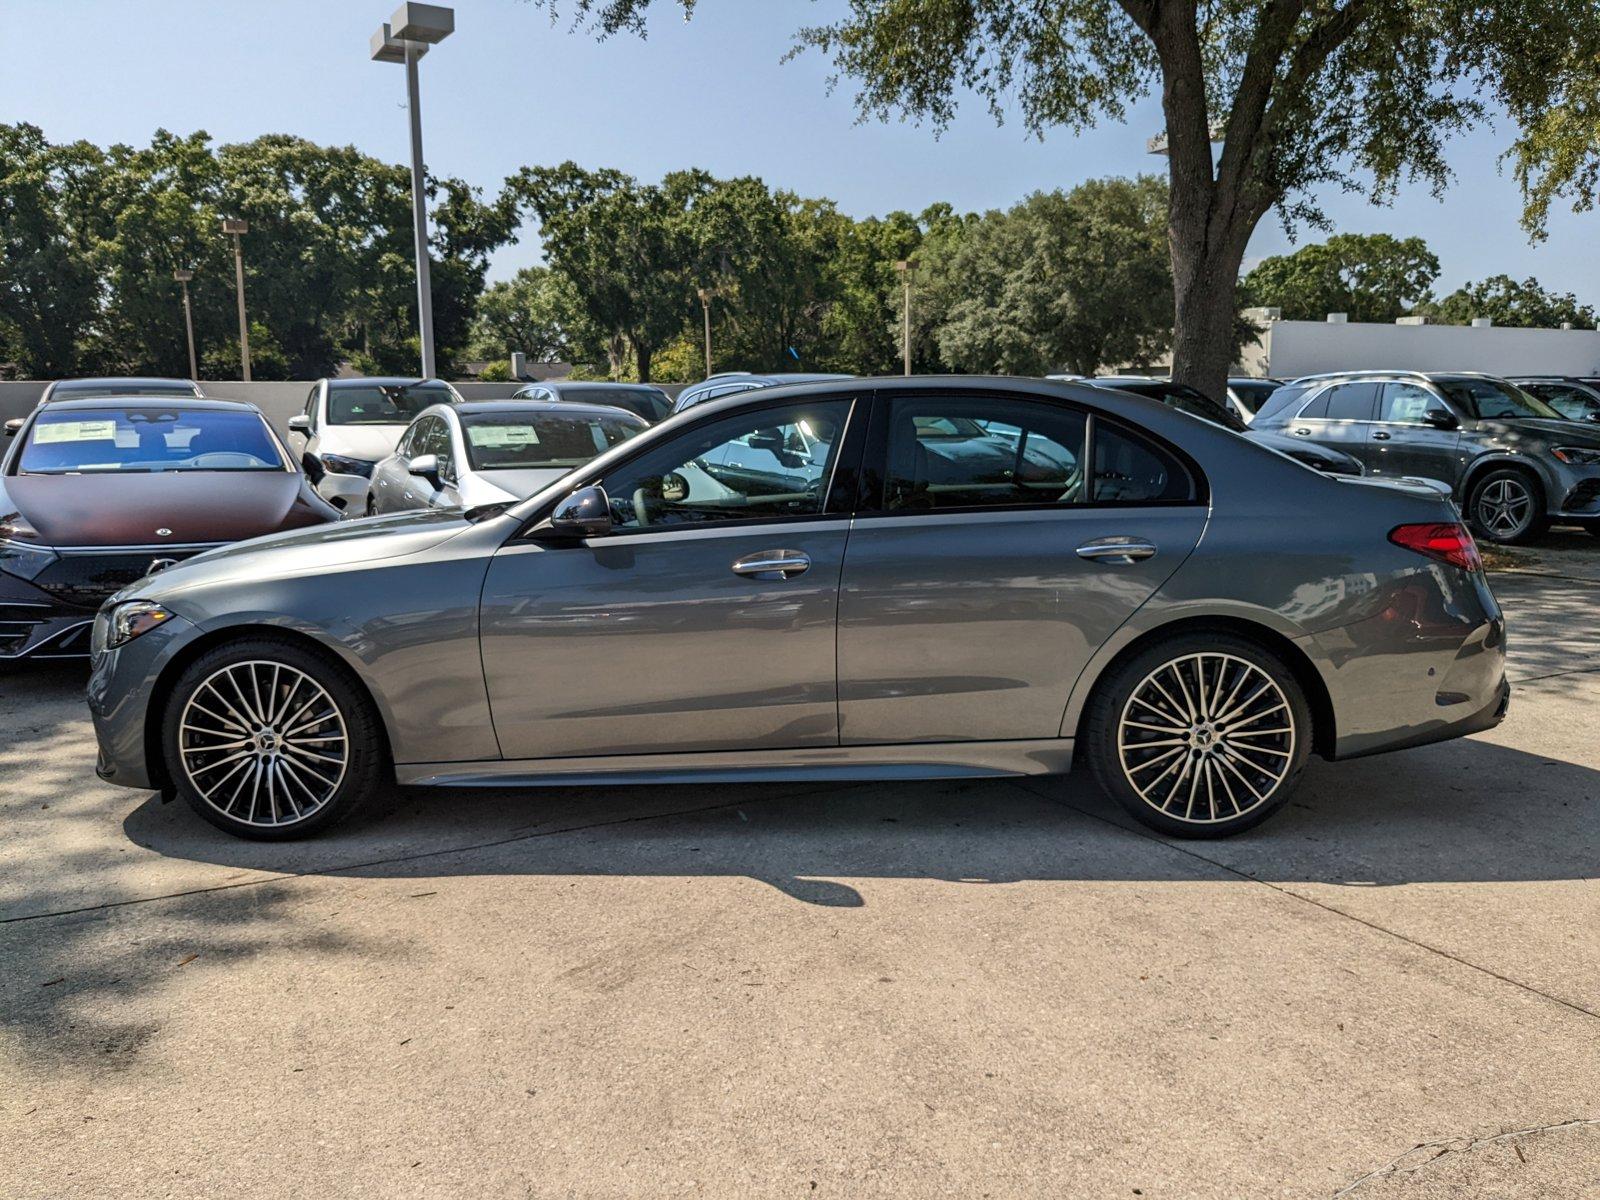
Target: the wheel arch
pixel 1503 462
pixel 1324 724
pixel 161 691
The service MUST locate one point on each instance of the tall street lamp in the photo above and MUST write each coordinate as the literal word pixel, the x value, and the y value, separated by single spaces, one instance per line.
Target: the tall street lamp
pixel 906 268
pixel 183 275
pixel 705 304
pixel 405 38
pixel 239 228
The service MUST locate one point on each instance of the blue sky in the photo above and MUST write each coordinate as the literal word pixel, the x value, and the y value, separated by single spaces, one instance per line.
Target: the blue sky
pixel 509 89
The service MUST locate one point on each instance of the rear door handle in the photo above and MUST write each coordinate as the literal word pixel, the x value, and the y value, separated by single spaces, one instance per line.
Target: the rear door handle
pixel 773 564
pixel 1118 551
pixel 1380 436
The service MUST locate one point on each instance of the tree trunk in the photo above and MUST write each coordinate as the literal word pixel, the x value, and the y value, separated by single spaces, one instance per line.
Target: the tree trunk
pixel 641 360
pixel 1204 282
pixel 616 354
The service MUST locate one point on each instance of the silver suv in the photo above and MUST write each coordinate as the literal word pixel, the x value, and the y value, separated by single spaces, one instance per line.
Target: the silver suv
pixel 1515 464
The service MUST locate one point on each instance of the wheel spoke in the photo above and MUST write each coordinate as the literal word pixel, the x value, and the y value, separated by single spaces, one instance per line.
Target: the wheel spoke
pixel 1204 738
pixel 264 743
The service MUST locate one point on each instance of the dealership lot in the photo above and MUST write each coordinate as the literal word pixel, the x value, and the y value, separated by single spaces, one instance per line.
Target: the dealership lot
pixel 966 988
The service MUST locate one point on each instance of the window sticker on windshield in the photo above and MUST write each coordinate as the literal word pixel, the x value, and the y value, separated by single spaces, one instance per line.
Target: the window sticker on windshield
pixel 502 437
pixel 75 431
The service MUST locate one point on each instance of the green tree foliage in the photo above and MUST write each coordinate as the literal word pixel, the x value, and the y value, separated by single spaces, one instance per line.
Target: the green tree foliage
pixel 536 311
pixel 1373 277
pixel 1507 302
pixel 1304 94
pixel 1075 280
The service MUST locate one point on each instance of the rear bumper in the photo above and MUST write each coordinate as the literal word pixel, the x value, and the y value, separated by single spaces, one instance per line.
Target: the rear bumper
pixel 1427 666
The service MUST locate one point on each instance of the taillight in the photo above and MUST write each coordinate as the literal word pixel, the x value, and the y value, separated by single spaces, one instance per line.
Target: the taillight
pixel 1448 543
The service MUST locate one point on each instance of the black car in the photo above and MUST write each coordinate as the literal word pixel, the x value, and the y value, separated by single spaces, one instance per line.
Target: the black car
pixel 1575 399
pixel 1194 402
pixel 1515 464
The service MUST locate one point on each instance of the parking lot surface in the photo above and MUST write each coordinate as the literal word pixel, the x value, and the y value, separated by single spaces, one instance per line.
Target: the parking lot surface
pixel 975 988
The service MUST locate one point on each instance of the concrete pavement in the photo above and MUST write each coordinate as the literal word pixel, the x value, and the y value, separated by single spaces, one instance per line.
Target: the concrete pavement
pixel 1005 989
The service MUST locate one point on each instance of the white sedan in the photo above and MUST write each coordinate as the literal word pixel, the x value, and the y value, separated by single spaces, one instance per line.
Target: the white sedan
pixel 492 452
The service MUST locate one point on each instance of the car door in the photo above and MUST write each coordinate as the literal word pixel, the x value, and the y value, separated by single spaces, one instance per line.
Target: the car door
pixel 984 570
pixel 1406 442
pixel 1340 417
pixel 706 619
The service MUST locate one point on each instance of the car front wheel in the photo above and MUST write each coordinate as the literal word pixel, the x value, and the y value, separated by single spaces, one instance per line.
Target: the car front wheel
pixel 1507 506
pixel 270 740
pixel 1200 735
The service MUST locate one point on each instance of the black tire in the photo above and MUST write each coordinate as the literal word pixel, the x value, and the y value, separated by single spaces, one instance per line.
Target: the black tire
pixel 1506 506
pixel 287 770
pixel 1219 753
pixel 372 505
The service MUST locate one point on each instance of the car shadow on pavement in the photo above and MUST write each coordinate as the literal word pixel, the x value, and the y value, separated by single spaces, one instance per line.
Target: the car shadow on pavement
pixel 1468 811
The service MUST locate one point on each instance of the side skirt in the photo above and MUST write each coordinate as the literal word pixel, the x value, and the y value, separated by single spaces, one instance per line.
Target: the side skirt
pixel 923 760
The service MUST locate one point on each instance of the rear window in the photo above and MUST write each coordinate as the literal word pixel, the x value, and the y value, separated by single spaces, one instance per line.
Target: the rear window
pixel 651 405
pixel 147 439
pixel 383 404
pixel 1281 404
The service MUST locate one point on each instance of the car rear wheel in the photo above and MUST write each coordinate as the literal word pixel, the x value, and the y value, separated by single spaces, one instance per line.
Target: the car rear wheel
pixel 270 740
pixel 1507 506
pixel 1200 735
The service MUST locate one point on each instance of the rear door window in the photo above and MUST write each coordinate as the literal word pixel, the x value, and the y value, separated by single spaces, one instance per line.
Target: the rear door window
pixel 1352 402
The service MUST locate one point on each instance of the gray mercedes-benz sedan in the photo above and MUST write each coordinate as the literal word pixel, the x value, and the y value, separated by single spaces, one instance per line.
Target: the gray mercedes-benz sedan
pixel 906 578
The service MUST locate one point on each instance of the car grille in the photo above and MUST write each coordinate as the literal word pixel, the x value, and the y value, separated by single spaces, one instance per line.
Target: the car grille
pixel 1583 496
pixel 85 580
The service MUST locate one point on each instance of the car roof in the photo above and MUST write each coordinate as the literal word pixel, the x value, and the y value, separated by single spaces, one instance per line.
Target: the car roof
pixel 179 402
pixel 561 408
pixel 355 381
pixel 593 385
pixel 100 381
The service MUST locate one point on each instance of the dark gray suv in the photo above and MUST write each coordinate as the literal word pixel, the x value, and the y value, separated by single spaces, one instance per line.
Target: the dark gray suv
pixel 1514 463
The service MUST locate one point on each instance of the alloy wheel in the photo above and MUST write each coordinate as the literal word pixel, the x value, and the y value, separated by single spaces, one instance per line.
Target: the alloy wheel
pixel 263 743
pixel 1206 738
pixel 1504 506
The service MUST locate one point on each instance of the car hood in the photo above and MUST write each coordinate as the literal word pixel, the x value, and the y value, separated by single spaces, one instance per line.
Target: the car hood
pixel 522 482
pixel 1544 430
pixel 367 442
pixel 159 508
pixel 339 545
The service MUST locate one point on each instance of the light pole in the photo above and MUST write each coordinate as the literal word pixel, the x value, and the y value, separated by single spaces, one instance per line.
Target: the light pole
pixel 183 275
pixel 239 228
pixel 705 304
pixel 405 38
pixel 906 268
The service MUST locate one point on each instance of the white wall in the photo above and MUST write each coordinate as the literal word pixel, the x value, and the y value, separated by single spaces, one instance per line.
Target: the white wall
pixel 1311 347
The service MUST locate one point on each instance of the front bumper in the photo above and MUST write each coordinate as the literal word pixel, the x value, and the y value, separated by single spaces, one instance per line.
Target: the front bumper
pixel 52 614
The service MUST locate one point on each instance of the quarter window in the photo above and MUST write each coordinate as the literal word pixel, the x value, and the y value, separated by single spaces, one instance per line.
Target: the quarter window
pixel 1130 469
pixel 1352 402
pixel 769 464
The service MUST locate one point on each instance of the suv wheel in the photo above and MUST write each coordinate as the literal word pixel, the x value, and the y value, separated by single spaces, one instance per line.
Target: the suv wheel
pixel 1507 506
pixel 269 740
pixel 1201 735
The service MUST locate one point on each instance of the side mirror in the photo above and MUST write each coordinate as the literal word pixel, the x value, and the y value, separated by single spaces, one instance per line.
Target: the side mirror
pixel 584 513
pixel 425 465
pixel 13 426
pixel 1441 419
pixel 300 423
pixel 769 440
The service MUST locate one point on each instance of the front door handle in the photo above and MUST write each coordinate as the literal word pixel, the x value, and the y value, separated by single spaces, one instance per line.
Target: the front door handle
pixel 1118 551
pixel 1379 435
pixel 773 564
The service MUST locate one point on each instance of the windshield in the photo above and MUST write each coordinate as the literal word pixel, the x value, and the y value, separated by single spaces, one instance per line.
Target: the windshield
pixel 506 441
pixel 1253 393
pixel 84 440
pixel 1492 398
pixel 384 404
pixel 646 402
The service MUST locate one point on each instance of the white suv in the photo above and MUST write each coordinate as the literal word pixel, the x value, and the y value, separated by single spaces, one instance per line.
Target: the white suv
pixel 351 424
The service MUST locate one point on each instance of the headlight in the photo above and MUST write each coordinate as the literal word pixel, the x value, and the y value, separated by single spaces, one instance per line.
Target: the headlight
pixel 22 560
pixel 133 618
pixel 338 464
pixel 1578 456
